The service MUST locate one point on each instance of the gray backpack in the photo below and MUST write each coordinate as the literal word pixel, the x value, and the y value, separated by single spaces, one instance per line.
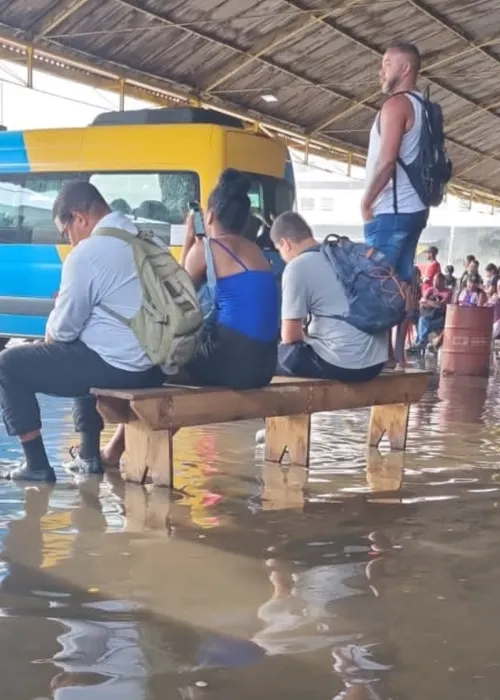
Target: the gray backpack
pixel 169 322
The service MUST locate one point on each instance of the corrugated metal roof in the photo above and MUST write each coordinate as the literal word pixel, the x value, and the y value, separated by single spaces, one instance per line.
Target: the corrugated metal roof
pixel 320 58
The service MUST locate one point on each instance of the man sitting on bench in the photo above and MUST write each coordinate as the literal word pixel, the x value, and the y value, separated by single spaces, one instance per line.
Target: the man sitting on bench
pixel 314 343
pixel 85 345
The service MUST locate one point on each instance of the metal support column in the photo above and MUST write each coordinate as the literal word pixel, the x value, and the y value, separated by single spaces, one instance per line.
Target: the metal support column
pixel 122 94
pixel 30 55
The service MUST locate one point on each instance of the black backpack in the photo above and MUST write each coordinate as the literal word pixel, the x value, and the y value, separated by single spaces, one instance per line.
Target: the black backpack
pixel 432 169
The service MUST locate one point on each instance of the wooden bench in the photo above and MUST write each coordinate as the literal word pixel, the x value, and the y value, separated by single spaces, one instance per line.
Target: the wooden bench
pixel 153 416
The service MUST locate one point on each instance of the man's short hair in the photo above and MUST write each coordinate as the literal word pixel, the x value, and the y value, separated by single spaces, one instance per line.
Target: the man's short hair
pixel 292 226
pixel 77 195
pixel 410 51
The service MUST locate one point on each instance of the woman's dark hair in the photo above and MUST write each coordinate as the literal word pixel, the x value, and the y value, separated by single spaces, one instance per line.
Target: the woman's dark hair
pixel 77 195
pixel 473 279
pixel 230 202
pixel 491 267
pixel 450 269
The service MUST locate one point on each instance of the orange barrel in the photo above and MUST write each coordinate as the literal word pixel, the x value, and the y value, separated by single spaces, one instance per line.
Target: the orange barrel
pixel 462 399
pixel 467 340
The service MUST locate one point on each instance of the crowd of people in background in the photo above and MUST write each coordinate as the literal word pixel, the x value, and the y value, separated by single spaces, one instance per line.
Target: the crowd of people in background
pixel 433 289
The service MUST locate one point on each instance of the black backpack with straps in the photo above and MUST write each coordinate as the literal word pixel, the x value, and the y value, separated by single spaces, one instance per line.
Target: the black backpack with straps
pixel 432 169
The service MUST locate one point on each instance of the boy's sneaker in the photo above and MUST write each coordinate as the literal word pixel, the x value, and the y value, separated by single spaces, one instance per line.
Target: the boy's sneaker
pixel 78 465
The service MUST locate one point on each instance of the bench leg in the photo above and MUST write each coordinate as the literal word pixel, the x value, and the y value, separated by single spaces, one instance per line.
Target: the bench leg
pixel 148 450
pixel 147 509
pixel 291 434
pixel 391 420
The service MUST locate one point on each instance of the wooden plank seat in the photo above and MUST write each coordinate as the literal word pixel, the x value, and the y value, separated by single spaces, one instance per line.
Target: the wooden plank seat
pixel 153 416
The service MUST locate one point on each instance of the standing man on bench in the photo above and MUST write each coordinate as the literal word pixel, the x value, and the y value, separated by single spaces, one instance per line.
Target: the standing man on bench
pixel 327 347
pixel 393 213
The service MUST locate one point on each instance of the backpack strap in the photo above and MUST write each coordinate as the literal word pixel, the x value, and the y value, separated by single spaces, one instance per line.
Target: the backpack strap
pixel 209 259
pixel 400 162
pixel 126 237
pixel 394 184
pixel 119 233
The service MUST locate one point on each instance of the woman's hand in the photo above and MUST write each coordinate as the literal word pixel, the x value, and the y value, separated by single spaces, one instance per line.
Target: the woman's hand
pixel 190 231
pixel 190 238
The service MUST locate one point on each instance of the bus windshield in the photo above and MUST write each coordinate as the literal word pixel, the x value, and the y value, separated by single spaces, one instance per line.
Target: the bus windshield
pixel 156 200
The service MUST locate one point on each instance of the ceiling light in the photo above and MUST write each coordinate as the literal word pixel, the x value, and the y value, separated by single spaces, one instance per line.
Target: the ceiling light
pixel 269 97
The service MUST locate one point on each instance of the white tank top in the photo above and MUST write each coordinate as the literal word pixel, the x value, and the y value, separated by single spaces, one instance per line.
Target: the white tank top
pixel 408 201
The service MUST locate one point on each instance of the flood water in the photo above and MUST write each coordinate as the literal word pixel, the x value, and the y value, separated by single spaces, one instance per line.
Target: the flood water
pixel 350 582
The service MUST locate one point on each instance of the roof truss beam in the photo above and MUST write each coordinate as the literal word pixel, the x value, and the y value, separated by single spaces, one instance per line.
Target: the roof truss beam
pixel 282 36
pixel 60 14
pixel 245 58
pixel 372 95
pixel 450 27
pixel 368 46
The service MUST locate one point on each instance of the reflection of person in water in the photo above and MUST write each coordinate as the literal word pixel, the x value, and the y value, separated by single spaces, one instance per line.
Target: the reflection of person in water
pixel 104 653
pixel 329 607
pixel 24 590
pixel 99 648
pixel 100 651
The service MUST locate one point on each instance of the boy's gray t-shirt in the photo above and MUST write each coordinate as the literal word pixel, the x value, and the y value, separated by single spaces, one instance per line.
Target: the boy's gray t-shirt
pixel 311 287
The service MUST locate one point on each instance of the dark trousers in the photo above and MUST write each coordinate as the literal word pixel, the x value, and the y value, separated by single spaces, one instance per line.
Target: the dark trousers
pixel 60 369
pixel 300 360
pixel 233 360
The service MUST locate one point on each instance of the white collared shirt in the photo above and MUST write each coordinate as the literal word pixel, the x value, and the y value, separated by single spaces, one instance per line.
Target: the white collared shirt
pixel 101 270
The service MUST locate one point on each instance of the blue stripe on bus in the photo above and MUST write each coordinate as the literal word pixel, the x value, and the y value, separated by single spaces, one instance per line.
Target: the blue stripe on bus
pixel 29 271
pixel 13 153
pixel 22 326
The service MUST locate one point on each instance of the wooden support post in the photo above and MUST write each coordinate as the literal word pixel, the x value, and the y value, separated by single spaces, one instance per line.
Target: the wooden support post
pixel 384 473
pixel 147 509
pixel 135 501
pixel 148 450
pixel 283 487
pixel 389 420
pixel 290 434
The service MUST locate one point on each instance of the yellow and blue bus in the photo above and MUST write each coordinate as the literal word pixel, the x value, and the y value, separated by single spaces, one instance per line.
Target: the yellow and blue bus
pixel 147 163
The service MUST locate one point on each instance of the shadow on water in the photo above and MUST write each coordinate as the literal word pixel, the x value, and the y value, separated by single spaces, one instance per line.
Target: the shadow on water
pixel 371 577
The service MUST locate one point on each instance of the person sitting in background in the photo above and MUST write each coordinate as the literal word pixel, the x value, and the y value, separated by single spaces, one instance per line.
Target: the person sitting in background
pixel 494 301
pixel 472 295
pixel 430 269
pixel 450 281
pixel 413 309
pixel 471 268
pixel 328 347
pixel 490 279
pixel 432 310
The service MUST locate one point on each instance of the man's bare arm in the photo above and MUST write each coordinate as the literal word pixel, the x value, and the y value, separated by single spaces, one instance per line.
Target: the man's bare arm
pixel 393 125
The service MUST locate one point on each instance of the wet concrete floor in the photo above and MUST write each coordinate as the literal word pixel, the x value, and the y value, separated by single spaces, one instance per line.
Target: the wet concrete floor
pixel 352 582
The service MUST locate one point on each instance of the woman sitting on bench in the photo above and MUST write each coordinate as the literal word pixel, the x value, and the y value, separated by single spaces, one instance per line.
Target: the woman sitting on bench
pixel 239 350
pixel 240 347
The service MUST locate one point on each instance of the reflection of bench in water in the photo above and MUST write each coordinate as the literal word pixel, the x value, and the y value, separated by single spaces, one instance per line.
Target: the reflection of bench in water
pixel 16 235
pixel 152 416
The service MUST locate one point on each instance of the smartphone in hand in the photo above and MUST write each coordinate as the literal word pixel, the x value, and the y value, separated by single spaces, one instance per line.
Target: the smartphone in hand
pixel 199 226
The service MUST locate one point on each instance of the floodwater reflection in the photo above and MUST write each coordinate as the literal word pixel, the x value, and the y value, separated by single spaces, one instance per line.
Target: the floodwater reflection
pixel 372 576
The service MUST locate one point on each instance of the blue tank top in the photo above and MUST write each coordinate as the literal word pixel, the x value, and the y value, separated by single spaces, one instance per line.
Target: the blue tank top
pixel 248 302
